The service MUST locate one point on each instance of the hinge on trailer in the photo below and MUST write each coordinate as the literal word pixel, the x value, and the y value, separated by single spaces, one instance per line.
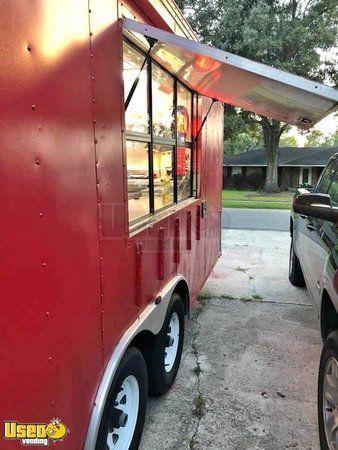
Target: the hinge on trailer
pixel 177 241
pixel 189 230
pixel 152 42
pixel 198 223
pixel 161 256
pixel 205 119
pixel 138 274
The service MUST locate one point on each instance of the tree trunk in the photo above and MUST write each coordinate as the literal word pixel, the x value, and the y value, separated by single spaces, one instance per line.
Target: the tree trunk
pixel 271 182
pixel 272 131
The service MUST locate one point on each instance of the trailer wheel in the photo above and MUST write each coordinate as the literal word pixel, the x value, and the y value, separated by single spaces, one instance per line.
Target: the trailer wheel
pixel 295 271
pixel 328 393
pixel 165 351
pixel 124 413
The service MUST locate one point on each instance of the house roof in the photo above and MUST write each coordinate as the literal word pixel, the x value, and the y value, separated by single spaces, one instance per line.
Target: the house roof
pixel 287 156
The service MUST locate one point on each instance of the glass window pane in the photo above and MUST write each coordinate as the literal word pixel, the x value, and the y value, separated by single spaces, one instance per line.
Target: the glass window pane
pixel 136 116
pixel 325 182
pixel 333 191
pixel 183 172
pixel 163 103
pixel 163 175
pixel 305 176
pixel 183 114
pixel 138 179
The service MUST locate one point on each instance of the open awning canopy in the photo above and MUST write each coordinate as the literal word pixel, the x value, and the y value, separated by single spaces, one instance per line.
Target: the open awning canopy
pixel 235 80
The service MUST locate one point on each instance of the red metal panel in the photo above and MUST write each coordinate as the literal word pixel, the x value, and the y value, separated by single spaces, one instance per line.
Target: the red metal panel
pixel 118 264
pixel 212 181
pixel 49 257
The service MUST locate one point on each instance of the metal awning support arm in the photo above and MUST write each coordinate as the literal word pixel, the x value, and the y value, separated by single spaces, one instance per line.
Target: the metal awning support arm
pixel 204 119
pixel 152 42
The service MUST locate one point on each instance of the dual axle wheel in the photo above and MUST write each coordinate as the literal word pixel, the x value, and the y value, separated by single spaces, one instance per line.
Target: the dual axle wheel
pixel 155 370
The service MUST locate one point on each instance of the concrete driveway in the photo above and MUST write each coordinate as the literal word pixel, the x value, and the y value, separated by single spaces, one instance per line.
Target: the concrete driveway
pixel 249 368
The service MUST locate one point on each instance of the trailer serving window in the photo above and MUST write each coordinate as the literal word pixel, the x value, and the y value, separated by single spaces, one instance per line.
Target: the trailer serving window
pixel 158 117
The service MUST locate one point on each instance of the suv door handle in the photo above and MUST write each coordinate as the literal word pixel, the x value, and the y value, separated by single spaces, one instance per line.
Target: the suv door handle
pixel 310 227
pixel 303 216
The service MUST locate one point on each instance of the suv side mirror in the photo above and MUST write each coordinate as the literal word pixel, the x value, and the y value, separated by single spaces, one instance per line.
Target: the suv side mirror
pixel 315 205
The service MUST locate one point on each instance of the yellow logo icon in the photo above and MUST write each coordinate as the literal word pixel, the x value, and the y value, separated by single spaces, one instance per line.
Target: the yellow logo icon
pixel 56 430
pixel 36 434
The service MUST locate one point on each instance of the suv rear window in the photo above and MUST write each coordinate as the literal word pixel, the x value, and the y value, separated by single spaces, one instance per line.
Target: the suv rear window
pixel 328 184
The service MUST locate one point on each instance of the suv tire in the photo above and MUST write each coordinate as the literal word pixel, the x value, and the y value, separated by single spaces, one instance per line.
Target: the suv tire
pixel 295 271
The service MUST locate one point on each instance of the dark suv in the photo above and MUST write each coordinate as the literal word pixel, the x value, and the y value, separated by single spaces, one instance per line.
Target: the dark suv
pixel 314 263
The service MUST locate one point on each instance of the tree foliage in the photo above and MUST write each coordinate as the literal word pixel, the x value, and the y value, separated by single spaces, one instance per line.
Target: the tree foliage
pixel 290 35
pixel 288 141
pixel 316 138
pixel 239 135
pixel 294 35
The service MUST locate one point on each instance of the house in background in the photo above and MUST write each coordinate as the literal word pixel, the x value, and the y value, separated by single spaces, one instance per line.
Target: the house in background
pixel 296 166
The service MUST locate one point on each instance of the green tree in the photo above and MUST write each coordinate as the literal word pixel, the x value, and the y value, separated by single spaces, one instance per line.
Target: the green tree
pixel 239 143
pixel 316 138
pixel 239 136
pixel 334 139
pixel 288 141
pixel 293 35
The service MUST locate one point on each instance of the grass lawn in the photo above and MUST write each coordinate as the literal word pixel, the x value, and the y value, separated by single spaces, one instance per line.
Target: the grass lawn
pixel 252 199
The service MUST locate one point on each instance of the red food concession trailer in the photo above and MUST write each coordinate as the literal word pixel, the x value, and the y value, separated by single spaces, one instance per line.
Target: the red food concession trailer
pixel 111 143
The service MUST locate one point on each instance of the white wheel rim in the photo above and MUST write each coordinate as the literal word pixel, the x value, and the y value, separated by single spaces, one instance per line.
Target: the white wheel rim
pixel 127 401
pixel 173 337
pixel 330 403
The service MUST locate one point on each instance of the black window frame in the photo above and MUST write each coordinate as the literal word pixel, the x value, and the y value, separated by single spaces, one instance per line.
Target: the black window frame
pixel 152 139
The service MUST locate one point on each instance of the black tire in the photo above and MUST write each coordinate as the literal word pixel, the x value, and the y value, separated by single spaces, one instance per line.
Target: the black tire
pixel 160 380
pixel 295 271
pixel 133 364
pixel 330 350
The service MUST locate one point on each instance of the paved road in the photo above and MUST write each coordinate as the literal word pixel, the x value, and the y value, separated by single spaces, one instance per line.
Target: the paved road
pixel 255 219
pixel 248 375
